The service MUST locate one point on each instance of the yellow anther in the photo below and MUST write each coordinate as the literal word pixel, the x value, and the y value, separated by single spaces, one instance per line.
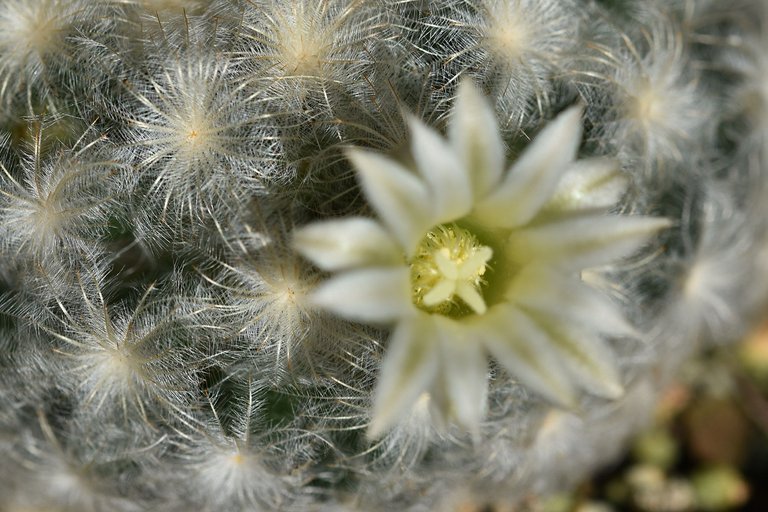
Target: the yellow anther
pixel 449 264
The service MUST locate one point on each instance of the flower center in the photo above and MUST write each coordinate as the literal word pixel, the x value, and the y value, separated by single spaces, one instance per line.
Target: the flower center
pixel 449 264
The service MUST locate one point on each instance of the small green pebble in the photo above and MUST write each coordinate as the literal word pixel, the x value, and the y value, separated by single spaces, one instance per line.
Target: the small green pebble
pixel 657 448
pixel 719 488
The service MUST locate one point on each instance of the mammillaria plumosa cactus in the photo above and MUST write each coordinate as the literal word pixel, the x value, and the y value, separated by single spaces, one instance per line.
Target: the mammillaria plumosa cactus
pixel 357 254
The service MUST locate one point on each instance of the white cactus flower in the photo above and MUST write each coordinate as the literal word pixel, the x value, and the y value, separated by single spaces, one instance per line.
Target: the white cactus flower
pixel 470 260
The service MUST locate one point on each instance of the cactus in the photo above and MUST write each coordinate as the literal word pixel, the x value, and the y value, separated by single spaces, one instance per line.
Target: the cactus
pixel 363 254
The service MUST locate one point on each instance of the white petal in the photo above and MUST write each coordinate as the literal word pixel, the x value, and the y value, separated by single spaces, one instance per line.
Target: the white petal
pixel 369 295
pixel 523 349
pixel 592 183
pixel 410 366
pixel 552 292
pixel 533 178
pixel 583 242
pixel 448 180
pixel 474 133
pixel 399 197
pixel 587 357
pixel 346 243
pixel 464 375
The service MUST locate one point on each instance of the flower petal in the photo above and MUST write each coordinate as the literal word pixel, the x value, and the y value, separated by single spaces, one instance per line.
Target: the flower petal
pixel 587 357
pixel 533 178
pixel 592 183
pixel 523 349
pixel 464 374
pixel 438 164
pixel 410 366
pixel 369 295
pixel 399 197
pixel 474 133
pixel 584 241
pixel 340 244
pixel 558 295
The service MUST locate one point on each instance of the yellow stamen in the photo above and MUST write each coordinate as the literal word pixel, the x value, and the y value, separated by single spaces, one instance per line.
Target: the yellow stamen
pixel 449 263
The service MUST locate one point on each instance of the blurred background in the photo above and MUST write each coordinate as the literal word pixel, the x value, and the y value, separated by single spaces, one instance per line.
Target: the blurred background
pixel 707 449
